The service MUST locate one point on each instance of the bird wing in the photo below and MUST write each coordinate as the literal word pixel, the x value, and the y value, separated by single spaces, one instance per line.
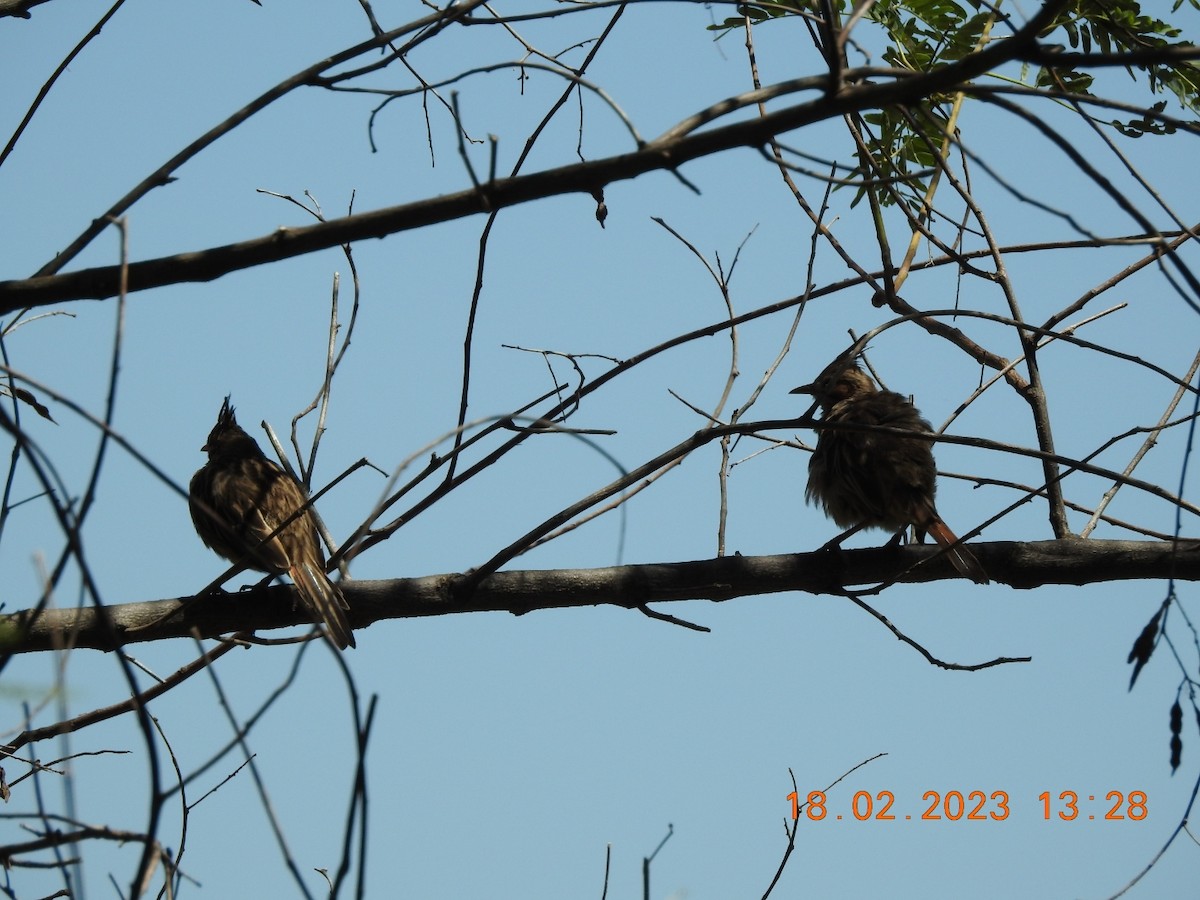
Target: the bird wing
pixel 218 516
pixel 242 496
pixel 885 479
pixel 297 549
pixel 273 551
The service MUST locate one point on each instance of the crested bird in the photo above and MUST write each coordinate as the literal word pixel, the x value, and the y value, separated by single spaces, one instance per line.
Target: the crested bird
pixel 239 502
pixel 871 479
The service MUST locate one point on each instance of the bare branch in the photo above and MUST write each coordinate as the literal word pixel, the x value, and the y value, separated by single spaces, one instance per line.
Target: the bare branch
pixel 1020 565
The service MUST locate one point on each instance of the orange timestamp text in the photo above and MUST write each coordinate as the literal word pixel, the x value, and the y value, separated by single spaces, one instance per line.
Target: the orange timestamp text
pixel 974 806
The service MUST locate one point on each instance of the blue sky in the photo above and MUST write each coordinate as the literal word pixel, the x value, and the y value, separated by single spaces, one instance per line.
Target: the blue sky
pixel 509 752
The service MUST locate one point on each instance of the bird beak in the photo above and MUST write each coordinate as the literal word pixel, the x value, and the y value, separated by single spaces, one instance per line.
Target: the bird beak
pixel 803 389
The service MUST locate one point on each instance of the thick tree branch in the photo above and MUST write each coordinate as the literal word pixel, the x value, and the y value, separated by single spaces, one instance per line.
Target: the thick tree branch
pixel 18 8
pixel 1018 564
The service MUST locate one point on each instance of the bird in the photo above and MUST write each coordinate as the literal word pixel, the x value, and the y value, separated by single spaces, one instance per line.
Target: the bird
pixel 239 499
pixel 866 479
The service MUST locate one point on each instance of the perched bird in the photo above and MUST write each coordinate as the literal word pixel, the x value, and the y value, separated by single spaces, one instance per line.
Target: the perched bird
pixel 867 479
pixel 239 497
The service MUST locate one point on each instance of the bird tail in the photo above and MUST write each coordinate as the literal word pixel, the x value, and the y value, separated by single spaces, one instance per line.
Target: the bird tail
pixel 325 602
pixel 961 558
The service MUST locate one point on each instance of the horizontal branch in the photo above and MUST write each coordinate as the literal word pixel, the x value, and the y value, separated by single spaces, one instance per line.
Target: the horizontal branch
pixel 1017 564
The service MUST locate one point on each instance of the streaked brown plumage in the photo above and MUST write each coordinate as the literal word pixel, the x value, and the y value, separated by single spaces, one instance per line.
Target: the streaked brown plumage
pixel 868 479
pixel 239 497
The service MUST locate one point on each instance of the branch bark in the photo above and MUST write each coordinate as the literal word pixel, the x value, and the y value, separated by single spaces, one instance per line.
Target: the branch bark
pixel 18 8
pixel 1023 565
